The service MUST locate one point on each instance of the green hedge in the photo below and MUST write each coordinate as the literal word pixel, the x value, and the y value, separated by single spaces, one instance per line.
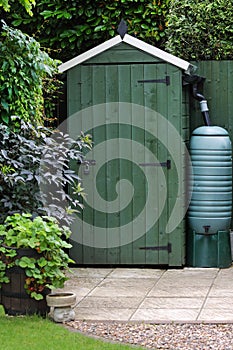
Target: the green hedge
pixel 27 4
pixel 70 27
pixel 200 29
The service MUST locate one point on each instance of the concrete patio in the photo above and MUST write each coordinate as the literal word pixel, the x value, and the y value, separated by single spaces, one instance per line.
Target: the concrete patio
pixel 153 295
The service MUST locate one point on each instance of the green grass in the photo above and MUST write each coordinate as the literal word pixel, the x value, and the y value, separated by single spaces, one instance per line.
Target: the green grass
pixel 33 333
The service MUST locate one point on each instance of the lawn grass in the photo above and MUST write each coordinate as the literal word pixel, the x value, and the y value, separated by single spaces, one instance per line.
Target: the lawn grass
pixel 33 332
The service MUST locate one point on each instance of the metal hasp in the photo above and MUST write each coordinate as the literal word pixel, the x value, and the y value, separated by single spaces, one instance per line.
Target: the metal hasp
pixel 87 164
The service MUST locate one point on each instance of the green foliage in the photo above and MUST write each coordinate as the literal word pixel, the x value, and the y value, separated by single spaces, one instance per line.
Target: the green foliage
pixel 68 28
pixel 35 171
pixel 24 71
pixel 27 4
pixel 47 239
pixel 200 30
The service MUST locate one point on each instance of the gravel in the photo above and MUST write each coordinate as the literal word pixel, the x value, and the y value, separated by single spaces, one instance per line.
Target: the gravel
pixel 161 336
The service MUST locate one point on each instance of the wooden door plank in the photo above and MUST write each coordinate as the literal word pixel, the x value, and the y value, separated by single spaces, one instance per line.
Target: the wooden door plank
pixel 138 177
pixel 176 238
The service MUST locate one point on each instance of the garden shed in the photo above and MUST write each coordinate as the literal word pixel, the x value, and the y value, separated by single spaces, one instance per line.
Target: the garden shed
pixel 130 97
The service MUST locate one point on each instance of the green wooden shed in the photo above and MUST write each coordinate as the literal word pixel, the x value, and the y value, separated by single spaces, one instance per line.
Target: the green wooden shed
pixel 130 97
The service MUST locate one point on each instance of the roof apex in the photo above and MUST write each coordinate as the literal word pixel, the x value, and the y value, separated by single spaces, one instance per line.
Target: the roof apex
pixel 130 40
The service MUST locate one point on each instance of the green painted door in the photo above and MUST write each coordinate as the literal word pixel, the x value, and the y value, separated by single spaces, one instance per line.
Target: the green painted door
pixel 133 176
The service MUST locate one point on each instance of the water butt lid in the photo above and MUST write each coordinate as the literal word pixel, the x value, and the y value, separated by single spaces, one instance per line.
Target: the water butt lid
pixel 210 131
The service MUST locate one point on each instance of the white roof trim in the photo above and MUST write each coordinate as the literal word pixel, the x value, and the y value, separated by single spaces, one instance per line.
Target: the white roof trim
pixel 90 53
pixel 154 51
pixel 141 45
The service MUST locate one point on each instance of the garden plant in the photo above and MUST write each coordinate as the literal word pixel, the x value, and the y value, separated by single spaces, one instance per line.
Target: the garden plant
pixel 28 75
pixel 46 268
pixel 36 207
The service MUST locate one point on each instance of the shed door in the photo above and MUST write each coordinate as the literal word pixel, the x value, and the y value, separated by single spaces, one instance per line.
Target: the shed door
pixel 129 177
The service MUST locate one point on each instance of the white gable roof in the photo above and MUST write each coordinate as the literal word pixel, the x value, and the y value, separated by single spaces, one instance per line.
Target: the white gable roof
pixel 128 39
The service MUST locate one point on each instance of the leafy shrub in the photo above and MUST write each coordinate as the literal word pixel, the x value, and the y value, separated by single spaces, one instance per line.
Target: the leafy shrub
pixel 200 30
pixel 35 171
pixel 25 71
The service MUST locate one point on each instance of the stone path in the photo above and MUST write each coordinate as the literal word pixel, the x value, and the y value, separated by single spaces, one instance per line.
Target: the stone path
pixel 153 295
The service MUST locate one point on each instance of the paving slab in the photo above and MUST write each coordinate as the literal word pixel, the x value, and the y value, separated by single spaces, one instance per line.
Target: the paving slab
pixel 88 272
pixel 82 286
pixel 123 287
pixel 222 303
pixel 153 295
pixel 158 315
pixel 136 273
pixel 221 291
pixel 215 315
pixel 179 291
pixel 172 303
pixel 103 314
pixel 110 302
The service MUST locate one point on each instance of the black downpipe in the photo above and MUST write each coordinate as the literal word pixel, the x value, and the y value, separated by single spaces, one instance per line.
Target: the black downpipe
pixel 196 83
pixel 203 105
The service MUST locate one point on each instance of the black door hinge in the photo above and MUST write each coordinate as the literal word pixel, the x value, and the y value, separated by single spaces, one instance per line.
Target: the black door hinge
pixel 167 247
pixel 166 164
pixel 166 80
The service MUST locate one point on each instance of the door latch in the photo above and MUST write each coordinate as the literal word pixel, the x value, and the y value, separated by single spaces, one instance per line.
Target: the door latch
pixel 86 168
pixel 87 163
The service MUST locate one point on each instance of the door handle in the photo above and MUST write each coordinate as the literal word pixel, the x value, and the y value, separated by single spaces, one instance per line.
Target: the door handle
pixel 87 163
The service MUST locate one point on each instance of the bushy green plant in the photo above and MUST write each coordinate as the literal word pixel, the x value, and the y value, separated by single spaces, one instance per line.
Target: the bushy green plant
pixel 35 171
pixel 200 30
pixel 45 237
pixel 25 71
pixel 68 28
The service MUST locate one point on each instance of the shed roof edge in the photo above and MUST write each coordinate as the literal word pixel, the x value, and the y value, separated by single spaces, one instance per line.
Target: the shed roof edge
pixel 154 51
pixel 128 39
pixel 90 53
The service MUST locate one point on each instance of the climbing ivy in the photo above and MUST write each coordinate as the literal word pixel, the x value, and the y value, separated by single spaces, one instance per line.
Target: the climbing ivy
pixel 200 30
pixel 24 71
pixel 70 27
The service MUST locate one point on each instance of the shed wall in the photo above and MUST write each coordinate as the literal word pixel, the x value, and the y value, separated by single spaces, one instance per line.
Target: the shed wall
pixel 114 76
